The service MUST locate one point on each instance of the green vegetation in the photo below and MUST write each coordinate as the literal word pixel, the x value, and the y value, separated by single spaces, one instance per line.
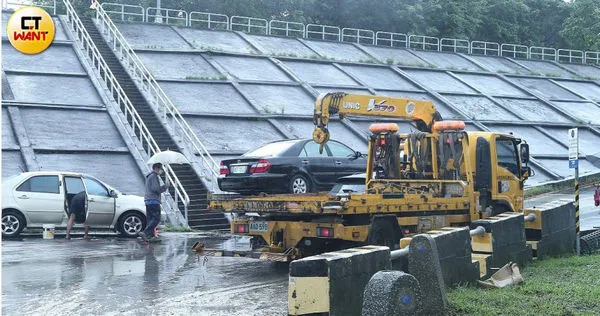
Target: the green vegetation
pixel 564 286
pixel 389 61
pixel 554 23
pixel 562 185
pixel 218 77
pixel 171 228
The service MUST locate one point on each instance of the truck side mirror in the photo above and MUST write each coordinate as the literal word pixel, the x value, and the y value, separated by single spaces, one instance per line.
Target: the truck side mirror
pixel 524 149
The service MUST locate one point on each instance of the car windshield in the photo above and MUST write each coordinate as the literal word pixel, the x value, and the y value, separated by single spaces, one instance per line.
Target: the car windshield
pixel 269 150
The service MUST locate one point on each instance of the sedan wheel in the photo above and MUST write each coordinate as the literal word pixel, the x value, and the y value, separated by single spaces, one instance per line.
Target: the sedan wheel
pixel 300 185
pixel 12 224
pixel 131 224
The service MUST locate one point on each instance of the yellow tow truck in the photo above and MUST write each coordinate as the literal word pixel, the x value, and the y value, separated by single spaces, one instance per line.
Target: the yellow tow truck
pixel 438 176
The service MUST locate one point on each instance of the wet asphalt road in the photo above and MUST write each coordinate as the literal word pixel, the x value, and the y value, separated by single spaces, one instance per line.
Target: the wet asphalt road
pixel 589 214
pixel 115 276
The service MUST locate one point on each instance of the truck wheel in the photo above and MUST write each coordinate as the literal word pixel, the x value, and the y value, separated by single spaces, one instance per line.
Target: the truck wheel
pixel 299 184
pixel 12 223
pixel 382 234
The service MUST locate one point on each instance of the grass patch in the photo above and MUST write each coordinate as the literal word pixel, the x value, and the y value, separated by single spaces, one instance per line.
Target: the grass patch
pixel 169 228
pixel 563 286
pixel 561 185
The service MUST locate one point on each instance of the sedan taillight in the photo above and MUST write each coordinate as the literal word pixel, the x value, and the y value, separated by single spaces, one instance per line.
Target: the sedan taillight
pixel 261 166
pixel 223 169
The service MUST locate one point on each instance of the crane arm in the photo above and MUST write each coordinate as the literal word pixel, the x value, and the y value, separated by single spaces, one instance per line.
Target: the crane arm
pixel 422 112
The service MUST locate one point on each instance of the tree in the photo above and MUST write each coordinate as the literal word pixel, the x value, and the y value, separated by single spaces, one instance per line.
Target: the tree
pixel 582 28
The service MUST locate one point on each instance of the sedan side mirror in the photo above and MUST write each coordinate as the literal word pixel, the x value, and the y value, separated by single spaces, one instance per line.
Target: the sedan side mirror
pixel 112 193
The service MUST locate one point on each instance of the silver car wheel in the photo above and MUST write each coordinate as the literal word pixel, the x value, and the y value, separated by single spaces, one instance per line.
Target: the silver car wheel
pixel 132 225
pixel 299 186
pixel 10 224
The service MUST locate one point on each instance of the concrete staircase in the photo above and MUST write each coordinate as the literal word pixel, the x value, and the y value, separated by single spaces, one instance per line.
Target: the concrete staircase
pixel 198 218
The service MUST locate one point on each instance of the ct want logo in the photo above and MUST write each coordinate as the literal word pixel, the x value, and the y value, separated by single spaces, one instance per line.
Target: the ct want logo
pixel 30 30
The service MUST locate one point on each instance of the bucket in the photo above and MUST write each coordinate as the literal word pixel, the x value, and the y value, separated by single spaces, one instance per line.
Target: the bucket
pixel 48 231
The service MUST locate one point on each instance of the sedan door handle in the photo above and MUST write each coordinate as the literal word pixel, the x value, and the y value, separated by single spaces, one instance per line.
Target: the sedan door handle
pixel 91 200
pixel 337 162
pixel 305 162
pixel 24 197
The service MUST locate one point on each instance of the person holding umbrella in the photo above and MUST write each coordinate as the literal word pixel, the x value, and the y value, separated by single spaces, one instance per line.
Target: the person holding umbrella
pixel 152 199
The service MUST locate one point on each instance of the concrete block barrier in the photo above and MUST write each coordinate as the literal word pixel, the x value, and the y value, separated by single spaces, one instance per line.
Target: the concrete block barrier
pixel 333 283
pixel 454 253
pixel 503 241
pixel 552 232
pixel 392 293
pixel 424 264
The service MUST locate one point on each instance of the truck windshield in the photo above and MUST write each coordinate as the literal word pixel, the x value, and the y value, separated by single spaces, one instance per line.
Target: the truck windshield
pixel 507 155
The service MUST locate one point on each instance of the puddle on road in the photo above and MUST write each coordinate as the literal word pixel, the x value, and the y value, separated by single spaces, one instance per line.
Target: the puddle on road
pixel 118 274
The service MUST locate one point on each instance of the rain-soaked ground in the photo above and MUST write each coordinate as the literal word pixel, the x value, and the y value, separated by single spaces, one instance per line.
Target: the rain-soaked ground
pixel 116 276
pixel 589 214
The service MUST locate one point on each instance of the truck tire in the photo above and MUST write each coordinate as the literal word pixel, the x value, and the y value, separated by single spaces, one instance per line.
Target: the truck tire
pixel 382 234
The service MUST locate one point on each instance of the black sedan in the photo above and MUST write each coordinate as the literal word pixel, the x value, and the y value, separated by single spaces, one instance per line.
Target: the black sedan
pixel 290 166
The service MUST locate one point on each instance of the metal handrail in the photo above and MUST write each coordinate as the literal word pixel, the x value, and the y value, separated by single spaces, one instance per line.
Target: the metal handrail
pixel 249 24
pixel 274 26
pixel 485 47
pixel 209 20
pixel 391 38
pixel 570 55
pixel 455 45
pixel 162 103
pixel 514 51
pixel 122 12
pixel 356 35
pixel 541 53
pixel 385 38
pixel 97 61
pixel 423 42
pixel 158 14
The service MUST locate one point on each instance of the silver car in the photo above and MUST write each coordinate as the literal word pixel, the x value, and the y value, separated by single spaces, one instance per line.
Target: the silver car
pixel 32 199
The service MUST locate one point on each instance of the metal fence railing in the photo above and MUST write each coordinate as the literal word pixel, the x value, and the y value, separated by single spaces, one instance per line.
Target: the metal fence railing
pixel 132 13
pixel 166 16
pixel 423 42
pixel 208 20
pixel 542 53
pixel 485 48
pixel 125 12
pixel 514 51
pixel 249 25
pixel 362 36
pixel 323 32
pixel 455 45
pixel 391 39
pixel 167 111
pixel 359 36
pixel 285 28
pixel 130 115
pixel 570 56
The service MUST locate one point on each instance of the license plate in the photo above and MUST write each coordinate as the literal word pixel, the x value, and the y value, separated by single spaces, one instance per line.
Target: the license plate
pixel 238 169
pixel 260 227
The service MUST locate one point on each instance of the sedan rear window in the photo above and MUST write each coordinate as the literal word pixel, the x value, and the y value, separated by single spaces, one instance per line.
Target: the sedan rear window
pixel 269 150
pixel 40 184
